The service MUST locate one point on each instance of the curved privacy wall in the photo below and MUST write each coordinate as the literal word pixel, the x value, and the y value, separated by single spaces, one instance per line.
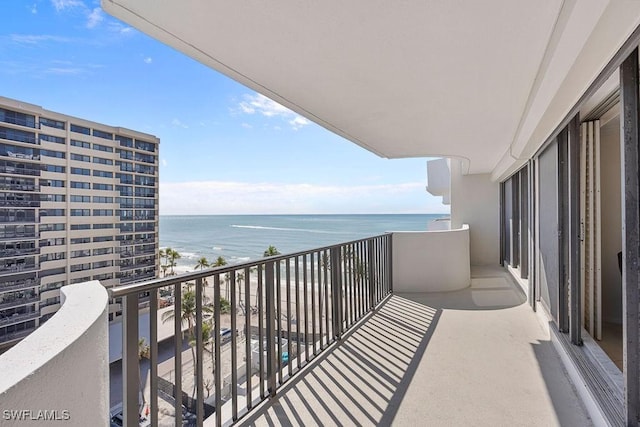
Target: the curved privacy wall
pixel 431 261
pixel 59 374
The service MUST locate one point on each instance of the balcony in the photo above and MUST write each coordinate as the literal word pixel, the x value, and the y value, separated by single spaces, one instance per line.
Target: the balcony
pixel 340 335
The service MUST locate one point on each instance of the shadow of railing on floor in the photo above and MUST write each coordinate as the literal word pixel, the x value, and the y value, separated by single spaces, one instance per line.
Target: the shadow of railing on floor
pixel 364 378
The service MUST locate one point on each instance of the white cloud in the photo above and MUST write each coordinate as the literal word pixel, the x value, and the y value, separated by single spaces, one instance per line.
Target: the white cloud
pixel 37 38
pixel 34 9
pixel 298 122
pixel 118 28
pixel 66 4
pixel 246 125
pixel 94 17
pixel 68 71
pixel 148 60
pixel 222 197
pixel 164 162
pixel 177 123
pixel 260 104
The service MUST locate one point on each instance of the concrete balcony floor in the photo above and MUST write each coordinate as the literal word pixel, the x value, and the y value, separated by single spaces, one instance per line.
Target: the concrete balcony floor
pixel 479 356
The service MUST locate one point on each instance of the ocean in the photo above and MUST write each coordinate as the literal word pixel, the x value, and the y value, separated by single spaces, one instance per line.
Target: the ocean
pixel 240 238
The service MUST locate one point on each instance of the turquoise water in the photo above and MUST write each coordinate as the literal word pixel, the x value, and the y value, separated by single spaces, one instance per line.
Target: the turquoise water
pixel 240 238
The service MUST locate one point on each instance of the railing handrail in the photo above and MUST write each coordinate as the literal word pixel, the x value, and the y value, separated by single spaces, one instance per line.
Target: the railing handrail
pixel 123 290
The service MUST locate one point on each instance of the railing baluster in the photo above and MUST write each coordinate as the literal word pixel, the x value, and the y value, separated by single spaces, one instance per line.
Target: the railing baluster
pixel 130 364
pixel 199 353
pixel 297 274
pixel 336 292
pixel 313 306
pixel 153 356
pixel 271 342
pixel 177 330
pixel 390 262
pixel 247 334
pixel 261 337
pixel 278 285
pixel 234 347
pixel 217 341
pixel 352 284
pixel 326 295
pixel 371 272
pixel 288 281
pixel 305 285
pixel 321 280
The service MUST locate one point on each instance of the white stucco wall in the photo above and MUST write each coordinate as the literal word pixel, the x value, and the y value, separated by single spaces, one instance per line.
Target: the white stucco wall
pixel 431 261
pixel 475 200
pixel 62 367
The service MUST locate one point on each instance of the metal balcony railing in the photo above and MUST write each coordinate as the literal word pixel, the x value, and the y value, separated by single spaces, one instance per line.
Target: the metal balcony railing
pixel 267 319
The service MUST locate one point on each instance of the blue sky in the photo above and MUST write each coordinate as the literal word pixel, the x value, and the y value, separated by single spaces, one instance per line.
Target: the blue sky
pixel 224 148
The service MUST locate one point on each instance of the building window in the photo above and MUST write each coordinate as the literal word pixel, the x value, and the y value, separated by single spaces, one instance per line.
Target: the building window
pixel 103 239
pixel 52 212
pixel 103 212
pixel 108 187
pixel 101 147
pixel 80 212
pixel 102 134
pixel 81 144
pixel 52 123
pixel 80 226
pixel 52 197
pixel 80 171
pixel 80 157
pixel 80 267
pixel 102 226
pixel 80 253
pixel 102 161
pixel 55 168
pixel 125 141
pixel 51 227
pixel 17 118
pixel 80 199
pixel 17 135
pixel 52 153
pixel 80 240
pixel 52 183
pixel 80 129
pixel 102 199
pixel 80 184
pixel 50 138
pixel 102 174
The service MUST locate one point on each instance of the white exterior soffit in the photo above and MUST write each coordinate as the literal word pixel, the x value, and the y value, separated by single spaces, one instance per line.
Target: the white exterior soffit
pixel 484 81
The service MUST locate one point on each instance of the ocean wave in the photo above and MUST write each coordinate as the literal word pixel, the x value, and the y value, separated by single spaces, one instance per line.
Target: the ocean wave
pixel 216 248
pixel 189 255
pixel 305 230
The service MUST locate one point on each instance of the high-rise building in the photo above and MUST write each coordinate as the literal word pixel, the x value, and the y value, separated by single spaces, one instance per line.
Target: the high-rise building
pixel 78 202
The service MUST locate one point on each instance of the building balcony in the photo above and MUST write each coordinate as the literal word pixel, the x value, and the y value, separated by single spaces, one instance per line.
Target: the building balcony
pixel 18 318
pixel 18 302
pixel 341 335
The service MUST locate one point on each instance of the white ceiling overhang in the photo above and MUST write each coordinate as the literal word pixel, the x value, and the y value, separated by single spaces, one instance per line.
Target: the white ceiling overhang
pixel 473 80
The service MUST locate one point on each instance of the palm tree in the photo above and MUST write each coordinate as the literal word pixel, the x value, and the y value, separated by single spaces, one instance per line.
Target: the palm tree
pixel 207 328
pixel 162 255
pixel 188 309
pixel 271 251
pixel 219 262
pixel 202 264
pixel 143 352
pixel 239 280
pixel 172 257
